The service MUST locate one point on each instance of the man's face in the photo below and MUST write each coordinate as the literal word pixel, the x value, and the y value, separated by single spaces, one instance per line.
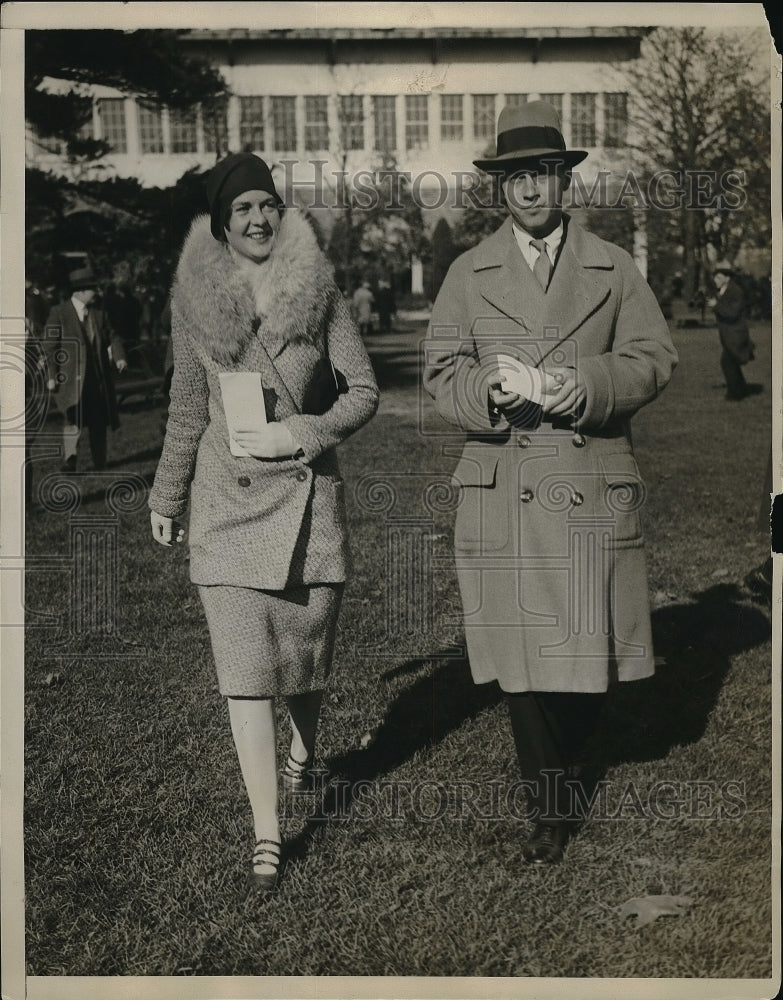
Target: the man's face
pixel 253 225
pixel 85 295
pixel 534 197
pixel 721 279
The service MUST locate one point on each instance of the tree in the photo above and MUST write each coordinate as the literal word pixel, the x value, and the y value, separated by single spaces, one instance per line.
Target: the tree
pixel 699 117
pixel 154 65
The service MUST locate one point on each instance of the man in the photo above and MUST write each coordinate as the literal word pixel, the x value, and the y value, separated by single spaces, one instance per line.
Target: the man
pixel 548 540
pixel 80 349
pixel 729 307
pixel 386 305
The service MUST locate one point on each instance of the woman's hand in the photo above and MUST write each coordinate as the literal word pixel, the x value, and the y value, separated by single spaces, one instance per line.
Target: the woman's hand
pixel 274 440
pixel 163 529
pixel 564 392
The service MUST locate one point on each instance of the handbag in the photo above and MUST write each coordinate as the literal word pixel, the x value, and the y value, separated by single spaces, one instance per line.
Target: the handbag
pixel 326 385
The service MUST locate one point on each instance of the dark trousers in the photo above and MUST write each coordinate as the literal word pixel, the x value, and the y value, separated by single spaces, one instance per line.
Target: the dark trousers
pixel 550 728
pixel 91 412
pixel 732 372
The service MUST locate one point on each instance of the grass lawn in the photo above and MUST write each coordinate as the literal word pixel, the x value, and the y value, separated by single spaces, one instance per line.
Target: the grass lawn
pixel 137 828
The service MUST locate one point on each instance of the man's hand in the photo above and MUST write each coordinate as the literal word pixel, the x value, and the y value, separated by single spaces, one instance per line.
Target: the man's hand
pixel 272 441
pixel 122 364
pixel 163 529
pixel 564 391
pixel 51 385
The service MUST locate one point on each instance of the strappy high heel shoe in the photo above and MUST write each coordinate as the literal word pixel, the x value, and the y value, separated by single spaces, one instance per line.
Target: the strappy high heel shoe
pixel 266 855
pixel 297 776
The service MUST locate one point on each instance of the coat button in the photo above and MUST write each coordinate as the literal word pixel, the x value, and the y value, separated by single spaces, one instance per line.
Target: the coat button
pixel 526 496
pixel 301 475
pixel 578 441
pixel 523 441
pixel 577 499
pixel 244 480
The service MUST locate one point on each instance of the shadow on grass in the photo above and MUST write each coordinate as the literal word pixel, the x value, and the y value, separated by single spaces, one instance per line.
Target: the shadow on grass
pixel 645 720
pixel 642 721
pixel 395 357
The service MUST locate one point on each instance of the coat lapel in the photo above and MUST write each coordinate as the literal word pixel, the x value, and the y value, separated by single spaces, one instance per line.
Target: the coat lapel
pixel 580 284
pixel 505 280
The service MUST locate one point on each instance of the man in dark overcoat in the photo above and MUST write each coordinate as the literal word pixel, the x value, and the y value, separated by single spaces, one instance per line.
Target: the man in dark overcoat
pixel 81 350
pixel 543 343
pixel 730 311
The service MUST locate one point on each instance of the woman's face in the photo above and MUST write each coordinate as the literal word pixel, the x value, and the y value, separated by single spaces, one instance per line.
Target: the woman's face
pixel 253 224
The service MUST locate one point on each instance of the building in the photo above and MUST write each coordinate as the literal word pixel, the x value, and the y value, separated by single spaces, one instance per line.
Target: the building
pixel 323 104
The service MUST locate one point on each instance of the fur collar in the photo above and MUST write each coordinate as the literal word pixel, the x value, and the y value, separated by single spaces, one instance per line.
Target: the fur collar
pixel 225 303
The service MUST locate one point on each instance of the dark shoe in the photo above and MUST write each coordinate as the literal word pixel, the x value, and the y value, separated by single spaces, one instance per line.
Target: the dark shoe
pixel 547 844
pixel 297 776
pixel 69 465
pixel 265 865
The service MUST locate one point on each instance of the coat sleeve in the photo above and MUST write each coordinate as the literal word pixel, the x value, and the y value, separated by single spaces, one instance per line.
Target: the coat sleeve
pixel 453 374
pixel 641 360
pixel 730 307
pixel 315 434
pixel 53 332
pixel 187 420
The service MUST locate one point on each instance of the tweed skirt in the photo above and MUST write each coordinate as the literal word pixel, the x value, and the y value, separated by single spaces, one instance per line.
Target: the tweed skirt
pixel 272 642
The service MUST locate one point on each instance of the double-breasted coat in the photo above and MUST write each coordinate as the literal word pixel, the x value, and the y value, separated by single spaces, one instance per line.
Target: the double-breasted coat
pixel 265 524
pixel 76 352
pixel 548 538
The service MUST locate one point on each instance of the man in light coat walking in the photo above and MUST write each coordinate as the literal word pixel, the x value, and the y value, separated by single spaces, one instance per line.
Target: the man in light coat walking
pixel 543 343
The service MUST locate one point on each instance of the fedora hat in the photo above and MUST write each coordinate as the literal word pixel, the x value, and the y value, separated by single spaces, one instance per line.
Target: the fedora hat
pixel 529 132
pixel 82 277
pixel 722 267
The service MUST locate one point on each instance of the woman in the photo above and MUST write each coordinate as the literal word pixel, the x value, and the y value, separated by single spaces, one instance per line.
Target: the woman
pixel 268 539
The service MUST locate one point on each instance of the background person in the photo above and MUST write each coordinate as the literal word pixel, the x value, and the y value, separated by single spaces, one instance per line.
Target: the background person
pixel 362 303
pixel 730 312
pixel 268 533
pixel 548 539
pixel 81 351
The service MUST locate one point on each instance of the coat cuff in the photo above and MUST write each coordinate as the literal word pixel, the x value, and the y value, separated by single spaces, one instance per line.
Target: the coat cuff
pixel 305 439
pixel 599 403
pixel 167 508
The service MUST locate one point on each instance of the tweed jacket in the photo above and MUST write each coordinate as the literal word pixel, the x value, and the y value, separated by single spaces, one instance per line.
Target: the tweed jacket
pixel 260 523
pixel 66 355
pixel 548 536
pixel 732 324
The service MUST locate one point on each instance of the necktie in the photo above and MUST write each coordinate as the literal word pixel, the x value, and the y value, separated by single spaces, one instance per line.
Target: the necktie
pixel 542 268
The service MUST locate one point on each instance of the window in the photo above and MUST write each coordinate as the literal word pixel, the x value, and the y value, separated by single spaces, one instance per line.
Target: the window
pixel 451 123
pixel 583 120
pixel 284 123
pixel 150 129
pixel 111 111
pixel 351 122
pixel 556 100
pixel 215 124
pixel 417 127
pixel 385 123
pixel 316 129
pixel 483 116
pixel 183 132
pixel 615 120
pixel 516 100
pixel 251 123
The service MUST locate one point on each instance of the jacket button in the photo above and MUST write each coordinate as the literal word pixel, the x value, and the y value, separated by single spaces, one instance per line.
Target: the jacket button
pixel 523 441
pixel 578 441
pixel 244 480
pixel 577 499
pixel 301 475
pixel 526 496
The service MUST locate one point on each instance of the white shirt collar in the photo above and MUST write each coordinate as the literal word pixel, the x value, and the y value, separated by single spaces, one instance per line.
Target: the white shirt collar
pixel 529 252
pixel 80 308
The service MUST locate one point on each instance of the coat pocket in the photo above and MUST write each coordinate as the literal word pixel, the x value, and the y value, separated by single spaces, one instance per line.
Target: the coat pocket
pixel 482 514
pixel 624 495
